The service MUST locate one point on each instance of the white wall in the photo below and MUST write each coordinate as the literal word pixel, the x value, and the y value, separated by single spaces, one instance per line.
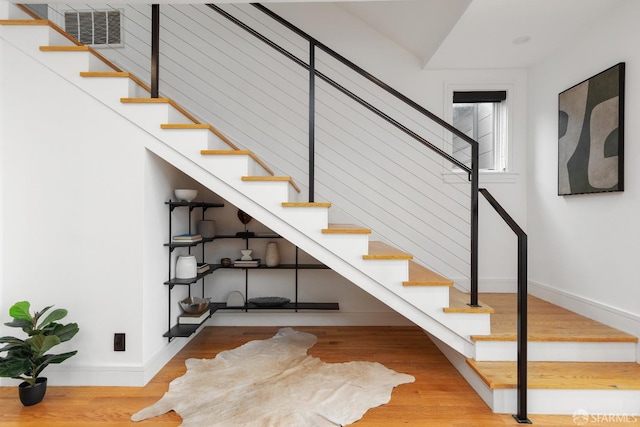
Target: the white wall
pixel 584 248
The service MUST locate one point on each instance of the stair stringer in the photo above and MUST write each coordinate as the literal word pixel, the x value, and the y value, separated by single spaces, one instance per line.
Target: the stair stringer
pixel 381 279
pixel 227 191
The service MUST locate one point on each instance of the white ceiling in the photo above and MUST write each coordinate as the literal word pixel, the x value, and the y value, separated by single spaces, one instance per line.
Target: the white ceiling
pixel 459 34
pixel 462 34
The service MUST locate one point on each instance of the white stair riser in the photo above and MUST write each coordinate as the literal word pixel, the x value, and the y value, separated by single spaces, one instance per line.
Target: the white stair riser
pixel 109 89
pixel 226 167
pixel 28 38
pixel 598 404
pixel 466 324
pixel 305 218
pixel 426 298
pixel 269 194
pixel 558 351
pixel 149 116
pixel 351 247
pixel 68 64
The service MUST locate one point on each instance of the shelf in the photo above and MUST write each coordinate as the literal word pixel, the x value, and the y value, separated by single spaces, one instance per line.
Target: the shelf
pixel 175 281
pixel 289 306
pixel 278 267
pixel 192 205
pixel 182 330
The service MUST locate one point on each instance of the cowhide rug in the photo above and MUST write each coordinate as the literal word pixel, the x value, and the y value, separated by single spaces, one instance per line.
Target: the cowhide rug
pixel 274 382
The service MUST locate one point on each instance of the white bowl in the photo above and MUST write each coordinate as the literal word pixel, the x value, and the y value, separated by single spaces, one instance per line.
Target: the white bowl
pixel 184 194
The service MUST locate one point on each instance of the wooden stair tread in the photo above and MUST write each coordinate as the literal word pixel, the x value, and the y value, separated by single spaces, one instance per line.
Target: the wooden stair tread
pixel 459 303
pixel 380 250
pixel 24 22
pixel 422 276
pixel 271 179
pixel 105 74
pixel 546 322
pixel 345 229
pixel 306 205
pixel 64 48
pixel 561 375
pixel 144 100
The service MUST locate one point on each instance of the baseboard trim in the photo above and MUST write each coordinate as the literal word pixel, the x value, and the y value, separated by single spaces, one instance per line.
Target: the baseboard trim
pixel 68 374
pixel 603 313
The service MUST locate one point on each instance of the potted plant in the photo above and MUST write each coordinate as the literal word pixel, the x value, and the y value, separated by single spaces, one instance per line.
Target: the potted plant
pixel 27 358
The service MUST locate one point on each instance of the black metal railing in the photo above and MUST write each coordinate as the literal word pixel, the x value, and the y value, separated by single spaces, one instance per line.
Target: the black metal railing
pixel 473 172
pixel 521 416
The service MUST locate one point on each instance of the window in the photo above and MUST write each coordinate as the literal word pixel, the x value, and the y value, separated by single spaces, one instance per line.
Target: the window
pixel 481 115
pixel 96 27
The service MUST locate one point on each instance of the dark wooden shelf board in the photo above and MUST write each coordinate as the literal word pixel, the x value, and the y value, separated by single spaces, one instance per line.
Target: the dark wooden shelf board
pixel 289 306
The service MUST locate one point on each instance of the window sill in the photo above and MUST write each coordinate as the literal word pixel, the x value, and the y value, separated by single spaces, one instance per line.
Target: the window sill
pixel 486 177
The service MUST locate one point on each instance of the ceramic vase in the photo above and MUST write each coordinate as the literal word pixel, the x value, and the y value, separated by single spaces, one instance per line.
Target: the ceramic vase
pixel 272 255
pixel 186 267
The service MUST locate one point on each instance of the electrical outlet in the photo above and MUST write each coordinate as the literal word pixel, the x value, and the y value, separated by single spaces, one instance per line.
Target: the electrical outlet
pixel 118 342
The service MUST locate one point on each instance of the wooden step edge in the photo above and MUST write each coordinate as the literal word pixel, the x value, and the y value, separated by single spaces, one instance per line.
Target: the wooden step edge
pixel 422 276
pixel 459 303
pixel 306 205
pixel 345 229
pixel 64 48
pixel 380 250
pixel 40 22
pixel 238 152
pixel 545 338
pixel 184 126
pixel 144 100
pixel 105 74
pixel 614 376
pixel 485 379
pixel 271 179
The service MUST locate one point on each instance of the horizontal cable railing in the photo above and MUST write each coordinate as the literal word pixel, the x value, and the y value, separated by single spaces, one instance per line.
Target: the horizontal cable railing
pixel 259 98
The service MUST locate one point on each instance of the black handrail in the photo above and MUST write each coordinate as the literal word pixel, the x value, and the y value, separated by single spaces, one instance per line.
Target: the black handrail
pixel 473 172
pixel 521 416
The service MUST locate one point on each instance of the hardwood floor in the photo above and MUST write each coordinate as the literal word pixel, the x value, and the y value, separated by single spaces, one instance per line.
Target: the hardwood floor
pixel 439 396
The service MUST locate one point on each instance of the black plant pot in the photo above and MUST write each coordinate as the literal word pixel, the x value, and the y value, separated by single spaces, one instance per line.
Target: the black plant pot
pixel 30 395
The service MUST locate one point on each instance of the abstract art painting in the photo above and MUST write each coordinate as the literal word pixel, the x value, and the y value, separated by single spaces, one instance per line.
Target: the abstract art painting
pixel 591 134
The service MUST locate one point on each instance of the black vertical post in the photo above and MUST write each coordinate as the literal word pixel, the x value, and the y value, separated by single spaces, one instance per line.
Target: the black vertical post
pixel 521 416
pixel 312 114
pixel 155 49
pixel 475 187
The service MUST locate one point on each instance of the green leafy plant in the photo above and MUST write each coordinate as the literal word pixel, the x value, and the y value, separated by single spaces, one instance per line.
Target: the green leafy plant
pixel 27 358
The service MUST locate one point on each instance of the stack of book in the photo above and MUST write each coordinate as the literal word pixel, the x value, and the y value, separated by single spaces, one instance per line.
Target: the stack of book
pixel 202 267
pixel 186 238
pixel 246 263
pixel 193 319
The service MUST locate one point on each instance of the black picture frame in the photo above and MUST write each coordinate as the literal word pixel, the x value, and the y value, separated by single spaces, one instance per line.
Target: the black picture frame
pixel 591 134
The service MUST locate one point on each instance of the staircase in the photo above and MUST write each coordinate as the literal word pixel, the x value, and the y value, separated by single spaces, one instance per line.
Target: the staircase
pixel 468 336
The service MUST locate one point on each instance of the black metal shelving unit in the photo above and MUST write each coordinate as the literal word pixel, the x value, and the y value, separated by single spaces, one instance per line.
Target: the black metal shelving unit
pixel 182 330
